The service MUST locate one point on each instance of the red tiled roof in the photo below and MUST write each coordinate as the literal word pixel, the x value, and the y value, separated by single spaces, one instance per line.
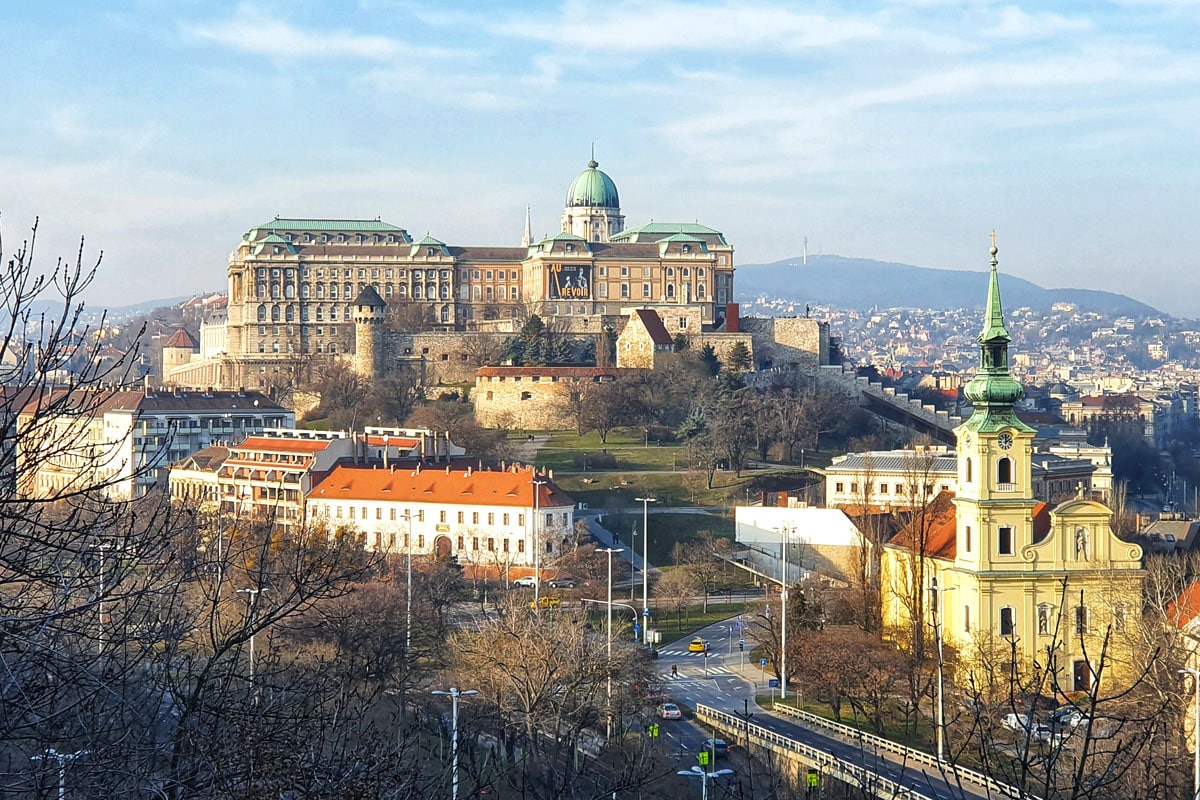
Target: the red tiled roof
pixel 476 487
pixel 561 372
pixel 276 444
pixel 181 338
pixel 653 324
pixel 374 440
pixel 1041 522
pixel 1186 607
pixel 938 522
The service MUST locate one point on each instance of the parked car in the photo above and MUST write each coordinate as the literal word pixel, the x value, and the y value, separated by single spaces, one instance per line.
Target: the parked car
pixel 546 601
pixel 563 583
pixel 528 581
pixel 717 747
pixel 1049 733
pixel 697 645
pixel 1067 716
pixel 1017 722
pixel 670 711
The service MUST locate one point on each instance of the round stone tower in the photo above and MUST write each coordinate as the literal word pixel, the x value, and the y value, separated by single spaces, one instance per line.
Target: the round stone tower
pixel 369 310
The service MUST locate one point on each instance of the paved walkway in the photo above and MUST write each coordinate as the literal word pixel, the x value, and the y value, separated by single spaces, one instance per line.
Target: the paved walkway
pixel 526 451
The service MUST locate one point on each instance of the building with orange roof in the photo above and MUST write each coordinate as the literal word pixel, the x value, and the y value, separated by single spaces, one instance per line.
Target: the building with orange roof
pixel 481 517
pixel 999 570
pixel 268 476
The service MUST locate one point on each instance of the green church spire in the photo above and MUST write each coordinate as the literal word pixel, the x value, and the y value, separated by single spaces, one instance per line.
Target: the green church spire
pixel 993 391
pixel 993 324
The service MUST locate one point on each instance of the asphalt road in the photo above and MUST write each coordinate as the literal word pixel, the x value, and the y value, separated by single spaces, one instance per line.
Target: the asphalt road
pixel 726 685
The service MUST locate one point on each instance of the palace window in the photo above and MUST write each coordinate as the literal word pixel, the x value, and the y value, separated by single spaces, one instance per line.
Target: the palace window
pixel 1007 624
pixel 1004 540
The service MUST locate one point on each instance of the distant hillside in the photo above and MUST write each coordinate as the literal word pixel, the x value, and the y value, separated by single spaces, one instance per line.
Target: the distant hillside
pixel 92 312
pixel 861 283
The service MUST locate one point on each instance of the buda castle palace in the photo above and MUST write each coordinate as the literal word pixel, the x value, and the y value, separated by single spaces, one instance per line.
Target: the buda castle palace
pixel 365 289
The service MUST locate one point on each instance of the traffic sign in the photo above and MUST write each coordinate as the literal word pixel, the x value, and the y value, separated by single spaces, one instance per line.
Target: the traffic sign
pixel 773 683
pixel 645 612
pixel 762 662
pixel 636 629
pixel 741 641
pixel 702 757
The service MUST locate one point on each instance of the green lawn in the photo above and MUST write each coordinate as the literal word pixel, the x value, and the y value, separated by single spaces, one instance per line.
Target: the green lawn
pixel 565 449
pixel 665 531
pixel 670 627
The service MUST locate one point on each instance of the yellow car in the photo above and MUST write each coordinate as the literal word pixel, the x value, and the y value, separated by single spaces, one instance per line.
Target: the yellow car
pixel 697 645
pixel 547 602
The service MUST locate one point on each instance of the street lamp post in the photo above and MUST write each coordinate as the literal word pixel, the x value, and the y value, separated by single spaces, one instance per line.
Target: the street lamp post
pixel 705 776
pixel 608 664
pixel 101 547
pixel 537 547
pixel 454 694
pixel 408 585
pixel 252 600
pixel 1195 730
pixel 63 759
pixel 938 602
pixel 645 501
pixel 785 540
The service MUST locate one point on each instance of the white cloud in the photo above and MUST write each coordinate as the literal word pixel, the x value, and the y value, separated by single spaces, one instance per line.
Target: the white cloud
pixel 1016 23
pixel 252 31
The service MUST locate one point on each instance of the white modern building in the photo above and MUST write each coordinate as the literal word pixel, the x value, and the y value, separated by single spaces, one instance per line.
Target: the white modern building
pixel 820 540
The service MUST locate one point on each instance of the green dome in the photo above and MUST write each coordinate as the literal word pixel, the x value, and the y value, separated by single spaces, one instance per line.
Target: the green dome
pixel 593 189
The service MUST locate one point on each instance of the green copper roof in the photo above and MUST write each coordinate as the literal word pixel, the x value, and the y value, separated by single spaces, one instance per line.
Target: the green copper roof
pixel 993 324
pixel 332 225
pixel 592 189
pixel 654 231
pixel 994 391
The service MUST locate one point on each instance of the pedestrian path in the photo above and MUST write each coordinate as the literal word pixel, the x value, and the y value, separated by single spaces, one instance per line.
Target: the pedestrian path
pixel 681 676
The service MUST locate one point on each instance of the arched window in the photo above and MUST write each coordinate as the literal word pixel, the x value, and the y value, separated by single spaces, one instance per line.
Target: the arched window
pixel 1007 623
pixel 262 313
pixel 402 290
pixel 275 313
pixel 417 291
pixel 671 290
pixel 333 293
pixel 1004 470
pixel 670 272
pixel 332 349
pixel 700 291
pixel 290 313
pixel 968 470
pixel 289 290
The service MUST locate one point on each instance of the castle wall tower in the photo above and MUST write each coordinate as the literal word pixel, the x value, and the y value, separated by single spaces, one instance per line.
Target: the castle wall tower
pixel 369 312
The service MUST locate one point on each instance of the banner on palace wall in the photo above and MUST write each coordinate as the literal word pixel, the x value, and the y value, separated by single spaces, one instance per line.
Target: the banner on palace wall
pixel 569 281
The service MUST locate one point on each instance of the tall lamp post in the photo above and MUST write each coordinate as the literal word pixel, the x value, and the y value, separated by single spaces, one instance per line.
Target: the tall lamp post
pixel 645 501
pixel 537 547
pixel 63 759
pixel 936 593
pixel 252 599
pixel 1195 730
pixel 608 664
pixel 454 694
pixel 785 541
pixel 101 547
pixel 705 776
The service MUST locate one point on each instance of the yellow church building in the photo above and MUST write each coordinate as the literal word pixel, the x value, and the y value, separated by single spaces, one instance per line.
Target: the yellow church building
pixel 1012 581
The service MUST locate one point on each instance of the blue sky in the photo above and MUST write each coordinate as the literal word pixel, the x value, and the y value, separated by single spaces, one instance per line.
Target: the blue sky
pixel 906 131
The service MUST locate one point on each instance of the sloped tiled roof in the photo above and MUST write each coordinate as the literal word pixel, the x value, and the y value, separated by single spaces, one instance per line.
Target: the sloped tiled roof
pixel 181 338
pixel 1186 607
pixel 937 525
pixel 654 326
pixel 333 225
pixel 549 372
pixel 474 487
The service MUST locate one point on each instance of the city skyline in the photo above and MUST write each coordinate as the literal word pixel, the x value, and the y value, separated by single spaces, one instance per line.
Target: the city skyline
pixel 893 131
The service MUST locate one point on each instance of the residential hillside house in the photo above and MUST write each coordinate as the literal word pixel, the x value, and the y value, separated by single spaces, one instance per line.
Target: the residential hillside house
pixel 267 477
pixel 904 479
pixel 125 440
pixel 492 519
pixel 1003 572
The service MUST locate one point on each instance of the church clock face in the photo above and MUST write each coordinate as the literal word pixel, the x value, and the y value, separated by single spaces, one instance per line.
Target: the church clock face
pixel 1005 440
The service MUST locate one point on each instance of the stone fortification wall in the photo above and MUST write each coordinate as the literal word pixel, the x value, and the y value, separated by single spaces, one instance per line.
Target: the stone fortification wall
pixel 788 341
pixel 442 357
pixel 722 343
pixel 532 398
